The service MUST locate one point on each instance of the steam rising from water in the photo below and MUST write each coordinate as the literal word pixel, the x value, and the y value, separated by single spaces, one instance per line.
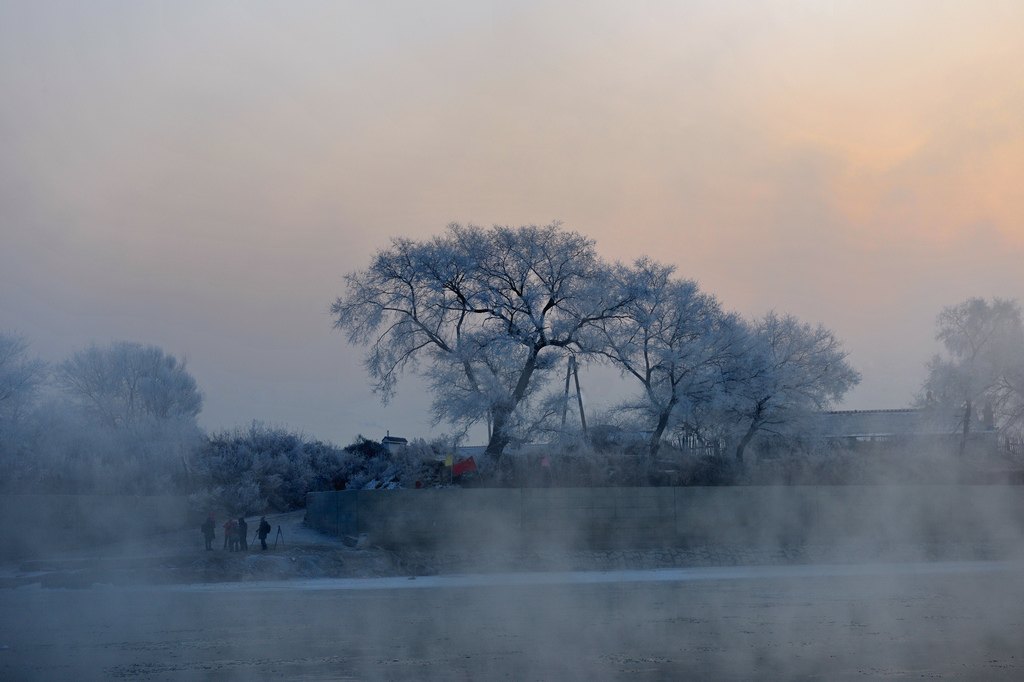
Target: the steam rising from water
pixel 837 621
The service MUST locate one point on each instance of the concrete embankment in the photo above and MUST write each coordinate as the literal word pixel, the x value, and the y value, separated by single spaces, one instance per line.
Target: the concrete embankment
pixel 771 517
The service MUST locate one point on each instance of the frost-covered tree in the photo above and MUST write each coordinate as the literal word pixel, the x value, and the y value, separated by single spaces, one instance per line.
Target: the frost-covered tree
pixel 984 344
pixel 672 338
pixel 20 379
pixel 1007 404
pixel 789 370
pixel 127 385
pixel 131 426
pixel 488 312
pixel 20 376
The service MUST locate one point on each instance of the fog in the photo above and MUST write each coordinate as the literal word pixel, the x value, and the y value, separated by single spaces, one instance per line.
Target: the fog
pixel 788 582
pixel 184 190
pixel 956 619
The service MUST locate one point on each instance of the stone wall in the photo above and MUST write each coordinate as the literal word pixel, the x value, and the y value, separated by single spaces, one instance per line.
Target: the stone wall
pixel 37 525
pixel 770 516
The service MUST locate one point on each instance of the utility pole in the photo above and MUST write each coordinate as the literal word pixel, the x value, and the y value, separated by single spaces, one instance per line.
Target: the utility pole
pixel 565 402
pixel 572 371
pixel 579 395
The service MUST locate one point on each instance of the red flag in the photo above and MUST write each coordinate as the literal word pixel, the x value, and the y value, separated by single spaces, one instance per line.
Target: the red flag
pixel 463 467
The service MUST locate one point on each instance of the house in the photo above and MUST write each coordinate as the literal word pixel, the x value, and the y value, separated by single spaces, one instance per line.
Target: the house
pixel 394 444
pixel 874 428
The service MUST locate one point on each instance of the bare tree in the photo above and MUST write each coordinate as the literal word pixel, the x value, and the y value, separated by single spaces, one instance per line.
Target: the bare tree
pixel 672 338
pixel 1007 398
pixel 984 342
pixel 20 375
pixel 20 379
pixel 127 385
pixel 789 370
pixel 490 311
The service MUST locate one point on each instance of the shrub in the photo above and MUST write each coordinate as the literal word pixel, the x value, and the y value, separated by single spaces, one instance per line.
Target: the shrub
pixel 262 467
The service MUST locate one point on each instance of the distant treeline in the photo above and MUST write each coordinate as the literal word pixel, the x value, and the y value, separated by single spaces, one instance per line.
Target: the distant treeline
pixel 498 321
pixel 121 419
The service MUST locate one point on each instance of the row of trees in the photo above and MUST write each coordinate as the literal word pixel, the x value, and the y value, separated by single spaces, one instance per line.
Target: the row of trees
pixel 490 316
pixel 122 418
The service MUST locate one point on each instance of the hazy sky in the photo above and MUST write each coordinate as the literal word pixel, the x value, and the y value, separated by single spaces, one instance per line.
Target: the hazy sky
pixel 202 175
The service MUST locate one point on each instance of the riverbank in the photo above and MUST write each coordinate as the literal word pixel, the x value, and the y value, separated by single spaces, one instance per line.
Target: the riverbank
pixel 300 553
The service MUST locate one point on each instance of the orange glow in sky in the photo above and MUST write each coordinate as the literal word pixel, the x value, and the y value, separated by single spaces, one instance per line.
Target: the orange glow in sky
pixel 202 177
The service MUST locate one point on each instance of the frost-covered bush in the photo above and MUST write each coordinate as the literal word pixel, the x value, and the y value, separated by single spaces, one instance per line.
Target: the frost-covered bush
pixel 250 470
pixel 375 468
pixel 264 466
pixel 242 498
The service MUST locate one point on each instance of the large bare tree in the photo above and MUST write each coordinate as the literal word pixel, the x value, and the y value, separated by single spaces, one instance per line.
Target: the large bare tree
pixel 129 386
pixel 984 344
pixel 670 337
pixel 488 311
pixel 789 370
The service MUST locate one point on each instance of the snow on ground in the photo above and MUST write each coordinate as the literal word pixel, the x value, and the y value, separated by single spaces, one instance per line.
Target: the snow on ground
pixel 627 576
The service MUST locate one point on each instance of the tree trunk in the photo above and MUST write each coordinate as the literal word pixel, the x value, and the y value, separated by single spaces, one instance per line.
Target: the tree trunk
pixel 499 436
pixel 967 428
pixel 755 424
pixel 579 397
pixel 747 437
pixel 498 440
pixel 659 430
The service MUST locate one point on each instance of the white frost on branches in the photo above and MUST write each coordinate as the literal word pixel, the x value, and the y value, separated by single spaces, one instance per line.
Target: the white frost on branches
pixel 789 371
pixel 489 311
pixel 673 339
pixel 983 365
pixel 126 385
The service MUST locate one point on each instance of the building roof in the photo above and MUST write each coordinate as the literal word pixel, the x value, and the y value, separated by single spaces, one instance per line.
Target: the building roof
pixel 876 423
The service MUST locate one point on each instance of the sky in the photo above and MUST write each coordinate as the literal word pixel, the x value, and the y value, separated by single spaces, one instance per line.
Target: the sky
pixel 202 176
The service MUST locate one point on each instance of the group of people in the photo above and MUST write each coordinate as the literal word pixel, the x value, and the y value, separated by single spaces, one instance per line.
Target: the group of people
pixel 235 533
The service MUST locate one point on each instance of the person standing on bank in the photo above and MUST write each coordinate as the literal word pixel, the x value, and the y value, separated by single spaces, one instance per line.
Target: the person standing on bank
pixel 263 531
pixel 228 540
pixel 208 525
pixel 243 534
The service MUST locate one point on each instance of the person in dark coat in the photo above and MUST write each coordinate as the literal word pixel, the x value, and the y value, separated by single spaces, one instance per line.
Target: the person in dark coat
pixel 263 531
pixel 208 527
pixel 243 534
